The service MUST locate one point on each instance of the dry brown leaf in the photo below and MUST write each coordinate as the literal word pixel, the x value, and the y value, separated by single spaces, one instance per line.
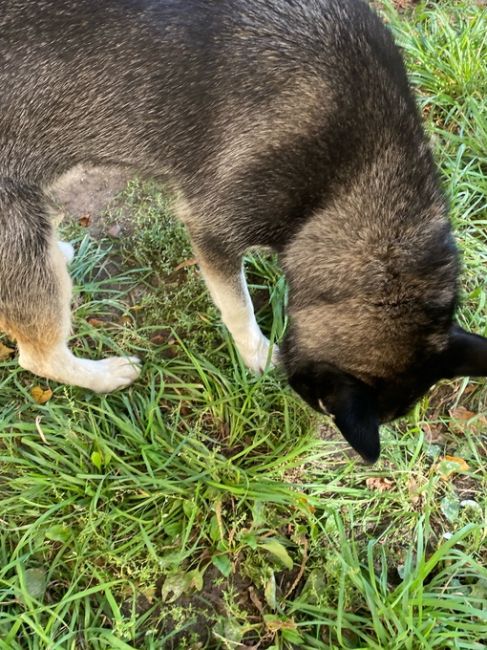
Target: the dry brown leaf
pixel 449 465
pixel 40 395
pixel 191 262
pixel 433 433
pixel 96 322
pixel 461 413
pixel 5 352
pixel 85 220
pixel 158 339
pixel 379 483
pixel 463 419
pixel 414 490
pixel 256 600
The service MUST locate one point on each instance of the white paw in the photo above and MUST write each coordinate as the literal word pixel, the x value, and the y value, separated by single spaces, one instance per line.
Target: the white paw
pixel 113 373
pixel 259 356
pixel 67 250
pixel 100 376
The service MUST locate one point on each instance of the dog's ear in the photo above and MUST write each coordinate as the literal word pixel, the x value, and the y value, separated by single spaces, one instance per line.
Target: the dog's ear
pixel 350 401
pixel 466 354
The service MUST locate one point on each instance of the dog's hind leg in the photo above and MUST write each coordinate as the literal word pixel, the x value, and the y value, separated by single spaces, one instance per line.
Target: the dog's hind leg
pixel 228 289
pixel 35 294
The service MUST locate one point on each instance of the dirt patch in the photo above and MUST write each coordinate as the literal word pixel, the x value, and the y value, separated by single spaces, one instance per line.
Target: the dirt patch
pixel 201 618
pixel 405 4
pixel 86 192
pixel 400 5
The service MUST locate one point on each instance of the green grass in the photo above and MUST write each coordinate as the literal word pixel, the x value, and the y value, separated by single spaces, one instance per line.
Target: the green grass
pixel 206 507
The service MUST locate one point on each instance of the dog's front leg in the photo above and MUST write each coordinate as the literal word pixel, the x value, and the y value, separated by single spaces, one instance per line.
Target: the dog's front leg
pixel 228 289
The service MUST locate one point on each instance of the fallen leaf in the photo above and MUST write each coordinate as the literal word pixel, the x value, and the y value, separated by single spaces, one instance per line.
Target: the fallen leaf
pixel 255 599
pixel 59 533
pixel 449 465
pixel 433 433
pixel 470 503
pixel 35 583
pixel 223 564
pixel 277 549
pixel 463 419
pixel 379 483
pixel 275 623
pixel 450 507
pixel 40 395
pixel 85 220
pixel 191 262
pixel 461 413
pixel 5 352
pixel 174 586
pixel 96 322
pixel 158 339
pixel 414 490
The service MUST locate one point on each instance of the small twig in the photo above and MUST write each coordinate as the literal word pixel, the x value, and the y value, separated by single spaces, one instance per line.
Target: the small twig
pixel 256 600
pixel 301 569
pixel 39 430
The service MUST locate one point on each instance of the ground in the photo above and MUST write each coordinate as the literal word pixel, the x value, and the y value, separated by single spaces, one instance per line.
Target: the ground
pixel 206 507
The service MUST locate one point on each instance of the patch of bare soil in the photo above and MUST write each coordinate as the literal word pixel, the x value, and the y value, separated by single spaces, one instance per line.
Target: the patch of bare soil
pixel 404 4
pixel 86 192
pixel 194 620
pixel 401 5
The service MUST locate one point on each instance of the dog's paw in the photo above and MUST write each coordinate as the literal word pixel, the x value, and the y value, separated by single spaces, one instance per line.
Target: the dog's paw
pixel 113 373
pixel 259 356
pixel 102 376
pixel 67 250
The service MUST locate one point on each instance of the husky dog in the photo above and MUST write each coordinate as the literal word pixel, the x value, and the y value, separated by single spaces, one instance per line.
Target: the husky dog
pixel 282 123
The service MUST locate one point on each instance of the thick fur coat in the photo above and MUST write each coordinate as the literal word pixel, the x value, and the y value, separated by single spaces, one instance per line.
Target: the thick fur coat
pixel 281 123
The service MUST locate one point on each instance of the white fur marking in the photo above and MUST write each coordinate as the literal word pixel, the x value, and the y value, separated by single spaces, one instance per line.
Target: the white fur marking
pixel 67 250
pixel 101 376
pixel 237 313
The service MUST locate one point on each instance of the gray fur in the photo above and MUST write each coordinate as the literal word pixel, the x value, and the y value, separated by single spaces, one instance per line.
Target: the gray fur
pixel 283 123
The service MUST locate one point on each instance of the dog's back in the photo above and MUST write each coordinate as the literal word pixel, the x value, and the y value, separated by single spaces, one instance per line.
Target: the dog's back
pixel 179 85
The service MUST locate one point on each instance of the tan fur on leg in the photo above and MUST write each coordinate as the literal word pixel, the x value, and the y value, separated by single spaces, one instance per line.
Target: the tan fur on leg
pixel 231 296
pixel 43 344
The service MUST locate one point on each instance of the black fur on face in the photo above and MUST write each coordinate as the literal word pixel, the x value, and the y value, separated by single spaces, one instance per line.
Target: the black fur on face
pixel 359 407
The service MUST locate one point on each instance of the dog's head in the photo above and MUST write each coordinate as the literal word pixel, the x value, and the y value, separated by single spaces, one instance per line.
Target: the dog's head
pixel 373 288
pixel 360 404
pixel 380 335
